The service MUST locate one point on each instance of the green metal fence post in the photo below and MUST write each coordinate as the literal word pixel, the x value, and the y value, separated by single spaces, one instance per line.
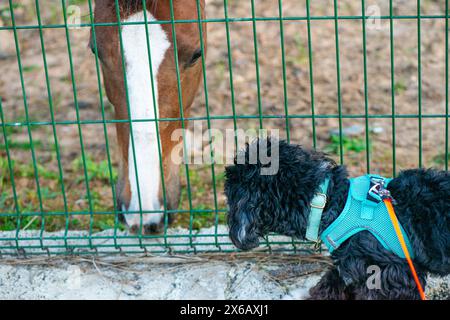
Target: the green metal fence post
pixel 52 114
pixel 419 80
pixel 11 172
pixel 338 76
pixel 366 94
pixel 283 62
pixel 392 50
pixel 25 103
pixel 258 78
pixel 311 74
pixel 446 158
pixel 230 67
pixel 183 125
pixel 105 130
pixel 210 140
pixel 77 112
pixel 130 121
pixel 155 104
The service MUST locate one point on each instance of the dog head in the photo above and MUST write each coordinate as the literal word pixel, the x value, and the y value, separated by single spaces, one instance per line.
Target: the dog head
pixel 261 201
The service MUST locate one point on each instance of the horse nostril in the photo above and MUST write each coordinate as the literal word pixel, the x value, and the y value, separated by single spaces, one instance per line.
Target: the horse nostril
pixel 151 228
pixel 134 229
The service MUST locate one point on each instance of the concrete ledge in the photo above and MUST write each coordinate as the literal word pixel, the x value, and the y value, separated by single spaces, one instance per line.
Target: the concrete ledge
pixel 213 276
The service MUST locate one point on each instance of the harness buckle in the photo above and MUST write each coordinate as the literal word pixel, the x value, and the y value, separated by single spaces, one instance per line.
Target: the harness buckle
pixel 319 201
pixel 378 191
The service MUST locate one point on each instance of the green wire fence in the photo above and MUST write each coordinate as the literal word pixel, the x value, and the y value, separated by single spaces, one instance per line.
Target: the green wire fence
pixel 63 200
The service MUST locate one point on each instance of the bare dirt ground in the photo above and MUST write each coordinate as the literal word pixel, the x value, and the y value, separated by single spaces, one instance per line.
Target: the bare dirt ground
pixel 59 95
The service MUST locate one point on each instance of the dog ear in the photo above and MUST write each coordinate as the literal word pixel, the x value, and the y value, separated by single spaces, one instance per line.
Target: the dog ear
pixel 242 212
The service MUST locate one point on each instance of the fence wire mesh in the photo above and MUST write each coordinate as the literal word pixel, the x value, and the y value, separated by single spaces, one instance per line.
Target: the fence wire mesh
pixel 365 81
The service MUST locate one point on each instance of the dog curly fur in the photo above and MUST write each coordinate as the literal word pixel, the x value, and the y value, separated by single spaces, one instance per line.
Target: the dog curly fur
pixel 259 204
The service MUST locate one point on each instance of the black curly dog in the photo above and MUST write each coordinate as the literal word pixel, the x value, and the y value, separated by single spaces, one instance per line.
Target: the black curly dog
pixel 259 204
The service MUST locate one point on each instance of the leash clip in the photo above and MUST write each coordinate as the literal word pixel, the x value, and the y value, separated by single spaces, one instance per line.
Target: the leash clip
pixel 378 191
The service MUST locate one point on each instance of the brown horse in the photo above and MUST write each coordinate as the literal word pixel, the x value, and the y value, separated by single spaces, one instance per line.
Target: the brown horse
pixel 151 87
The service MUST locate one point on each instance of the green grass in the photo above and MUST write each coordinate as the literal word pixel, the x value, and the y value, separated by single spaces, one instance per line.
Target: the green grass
pixel 4 169
pixel 95 170
pixel 28 170
pixel 31 68
pixel 301 58
pixel 50 191
pixel 100 185
pixel 28 203
pixel 10 131
pixel 5 11
pixel 349 144
pixel 21 145
pixel 5 199
pixel 201 191
pixel 400 87
pixel 76 2
pixel 439 160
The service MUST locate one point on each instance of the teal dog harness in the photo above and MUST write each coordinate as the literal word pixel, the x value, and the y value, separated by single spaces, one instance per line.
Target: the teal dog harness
pixel 363 211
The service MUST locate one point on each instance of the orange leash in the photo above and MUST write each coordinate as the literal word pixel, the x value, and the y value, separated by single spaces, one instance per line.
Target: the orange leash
pixel 394 220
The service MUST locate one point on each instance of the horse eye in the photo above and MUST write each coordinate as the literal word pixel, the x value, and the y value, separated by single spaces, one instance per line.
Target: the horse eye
pixel 197 55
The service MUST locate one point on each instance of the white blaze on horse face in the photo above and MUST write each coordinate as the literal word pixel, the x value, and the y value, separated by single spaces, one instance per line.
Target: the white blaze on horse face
pixel 141 100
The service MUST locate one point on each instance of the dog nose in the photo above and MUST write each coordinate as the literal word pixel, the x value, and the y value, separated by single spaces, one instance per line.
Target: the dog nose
pixel 247 244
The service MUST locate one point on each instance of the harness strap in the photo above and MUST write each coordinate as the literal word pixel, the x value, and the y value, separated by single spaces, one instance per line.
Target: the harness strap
pixel 318 203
